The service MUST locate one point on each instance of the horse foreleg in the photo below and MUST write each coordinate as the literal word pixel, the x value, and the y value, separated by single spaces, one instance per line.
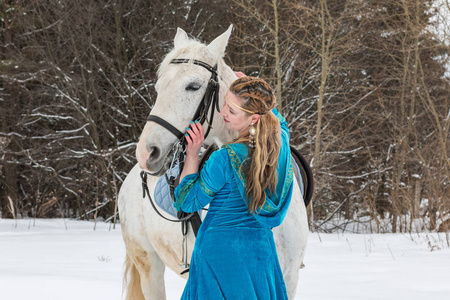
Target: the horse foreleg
pixel 132 281
pixel 153 286
pixel 144 275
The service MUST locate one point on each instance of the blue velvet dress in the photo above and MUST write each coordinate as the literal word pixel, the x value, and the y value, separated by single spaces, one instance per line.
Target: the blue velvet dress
pixel 234 255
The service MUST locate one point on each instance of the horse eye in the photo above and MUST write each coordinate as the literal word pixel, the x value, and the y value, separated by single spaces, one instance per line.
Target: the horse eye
pixel 193 86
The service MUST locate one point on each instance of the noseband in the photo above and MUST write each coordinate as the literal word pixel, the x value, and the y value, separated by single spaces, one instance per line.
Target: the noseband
pixel 210 98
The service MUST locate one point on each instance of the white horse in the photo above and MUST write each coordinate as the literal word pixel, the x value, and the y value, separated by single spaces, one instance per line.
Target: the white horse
pixel 153 243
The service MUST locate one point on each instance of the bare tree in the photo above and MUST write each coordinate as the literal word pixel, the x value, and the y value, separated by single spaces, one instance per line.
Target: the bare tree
pixel 77 86
pixel 364 86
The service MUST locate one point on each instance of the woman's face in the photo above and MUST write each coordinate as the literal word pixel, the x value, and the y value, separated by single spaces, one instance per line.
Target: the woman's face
pixel 235 118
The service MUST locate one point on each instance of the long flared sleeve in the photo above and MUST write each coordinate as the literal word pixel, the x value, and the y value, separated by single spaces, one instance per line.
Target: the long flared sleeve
pixel 197 190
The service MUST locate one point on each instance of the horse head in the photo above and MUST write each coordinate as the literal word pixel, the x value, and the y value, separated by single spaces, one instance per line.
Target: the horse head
pixel 180 88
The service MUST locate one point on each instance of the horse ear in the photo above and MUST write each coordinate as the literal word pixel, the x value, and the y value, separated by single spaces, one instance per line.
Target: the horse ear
pixel 220 43
pixel 181 38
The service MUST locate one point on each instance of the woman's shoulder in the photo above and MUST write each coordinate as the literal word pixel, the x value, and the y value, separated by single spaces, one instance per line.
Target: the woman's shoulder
pixel 218 164
pixel 239 148
pixel 218 155
pixel 237 152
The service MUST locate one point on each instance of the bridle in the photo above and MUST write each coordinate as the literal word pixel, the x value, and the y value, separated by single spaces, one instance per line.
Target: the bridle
pixel 211 97
pixel 210 100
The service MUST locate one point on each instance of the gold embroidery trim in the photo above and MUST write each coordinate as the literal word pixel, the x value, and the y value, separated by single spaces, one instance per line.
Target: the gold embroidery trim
pixel 185 190
pixel 236 163
pixel 205 188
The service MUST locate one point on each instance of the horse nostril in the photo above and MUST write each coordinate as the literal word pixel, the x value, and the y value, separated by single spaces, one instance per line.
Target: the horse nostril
pixel 154 153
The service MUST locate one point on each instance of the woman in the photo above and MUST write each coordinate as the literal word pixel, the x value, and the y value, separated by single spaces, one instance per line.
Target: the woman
pixel 248 185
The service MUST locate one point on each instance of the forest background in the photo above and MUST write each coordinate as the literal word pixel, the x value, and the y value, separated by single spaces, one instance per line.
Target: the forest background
pixel 363 84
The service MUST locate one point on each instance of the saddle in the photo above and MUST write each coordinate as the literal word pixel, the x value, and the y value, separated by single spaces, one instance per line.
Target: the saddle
pixel 303 174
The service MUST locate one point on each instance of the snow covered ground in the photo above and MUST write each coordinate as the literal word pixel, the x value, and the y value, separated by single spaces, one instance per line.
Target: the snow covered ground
pixel 65 259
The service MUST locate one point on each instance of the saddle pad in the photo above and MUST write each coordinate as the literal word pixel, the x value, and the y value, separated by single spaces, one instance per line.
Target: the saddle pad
pixel 300 181
pixel 162 194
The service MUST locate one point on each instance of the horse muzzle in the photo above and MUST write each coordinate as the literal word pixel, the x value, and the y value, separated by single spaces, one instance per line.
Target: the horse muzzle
pixel 152 160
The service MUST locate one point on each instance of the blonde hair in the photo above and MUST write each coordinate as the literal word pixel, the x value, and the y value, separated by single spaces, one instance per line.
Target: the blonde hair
pixel 261 166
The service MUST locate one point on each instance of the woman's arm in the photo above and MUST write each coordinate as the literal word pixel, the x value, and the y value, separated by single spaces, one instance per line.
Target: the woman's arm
pixel 283 123
pixel 196 190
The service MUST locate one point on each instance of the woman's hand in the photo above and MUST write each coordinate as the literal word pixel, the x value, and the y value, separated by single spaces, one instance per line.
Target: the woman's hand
pixel 239 74
pixel 195 136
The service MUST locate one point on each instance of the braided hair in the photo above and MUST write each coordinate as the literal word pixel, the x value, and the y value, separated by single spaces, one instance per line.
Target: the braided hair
pixel 260 167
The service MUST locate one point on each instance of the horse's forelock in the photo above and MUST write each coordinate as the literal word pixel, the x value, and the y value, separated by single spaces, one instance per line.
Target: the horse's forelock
pixel 193 50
